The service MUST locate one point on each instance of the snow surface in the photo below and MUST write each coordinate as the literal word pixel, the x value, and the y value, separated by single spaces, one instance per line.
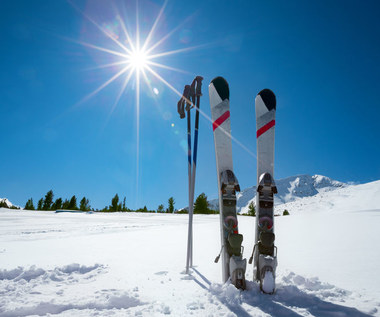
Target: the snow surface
pixel 132 264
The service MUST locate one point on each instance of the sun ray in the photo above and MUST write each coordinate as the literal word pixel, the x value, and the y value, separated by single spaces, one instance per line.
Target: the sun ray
pixel 99 48
pixel 137 133
pixel 146 79
pixel 154 26
pixel 137 27
pixel 122 89
pixel 126 32
pixel 105 84
pixel 100 28
pixel 181 50
pixel 168 67
pixel 108 65
pixel 163 39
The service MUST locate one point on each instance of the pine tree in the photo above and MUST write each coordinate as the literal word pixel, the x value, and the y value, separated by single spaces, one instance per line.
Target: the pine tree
pixel 57 204
pixel 201 204
pixel 40 204
pixel 29 204
pixel 85 204
pixel 66 204
pixel 160 208
pixel 124 208
pixel 251 209
pixel 73 203
pixel 48 200
pixel 171 203
pixel 114 203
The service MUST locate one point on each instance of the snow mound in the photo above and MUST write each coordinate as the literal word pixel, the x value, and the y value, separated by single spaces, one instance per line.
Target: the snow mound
pixel 32 273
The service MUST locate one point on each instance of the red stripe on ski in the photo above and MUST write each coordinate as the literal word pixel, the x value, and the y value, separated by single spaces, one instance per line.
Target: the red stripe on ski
pixel 266 127
pixel 220 120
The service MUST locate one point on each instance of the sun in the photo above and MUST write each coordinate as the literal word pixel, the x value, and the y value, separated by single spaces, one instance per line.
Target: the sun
pixel 138 59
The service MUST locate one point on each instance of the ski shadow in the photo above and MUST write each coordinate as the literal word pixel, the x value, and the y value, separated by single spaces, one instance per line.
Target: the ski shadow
pixel 292 296
pixel 206 284
pixel 285 302
pixel 235 305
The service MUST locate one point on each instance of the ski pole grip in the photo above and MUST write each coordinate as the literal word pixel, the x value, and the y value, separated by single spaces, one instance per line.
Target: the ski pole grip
pixel 186 97
pixel 192 87
pixel 186 91
pixel 199 79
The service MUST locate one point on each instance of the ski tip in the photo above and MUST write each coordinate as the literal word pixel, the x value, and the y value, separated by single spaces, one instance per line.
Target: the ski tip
pixel 269 98
pixel 221 87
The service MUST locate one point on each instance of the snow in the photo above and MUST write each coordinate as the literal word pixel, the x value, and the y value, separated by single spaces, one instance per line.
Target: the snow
pixel 268 283
pixel 132 264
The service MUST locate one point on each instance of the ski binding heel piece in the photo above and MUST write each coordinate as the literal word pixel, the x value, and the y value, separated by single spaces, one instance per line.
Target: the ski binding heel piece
pixel 267 183
pixel 267 267
pixel 237 271
pixel 229 182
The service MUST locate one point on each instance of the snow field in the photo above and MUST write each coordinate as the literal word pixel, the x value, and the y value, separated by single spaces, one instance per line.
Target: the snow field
pixel 133 264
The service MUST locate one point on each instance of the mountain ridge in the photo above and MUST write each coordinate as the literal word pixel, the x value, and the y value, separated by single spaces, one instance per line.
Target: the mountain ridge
pixel 289 189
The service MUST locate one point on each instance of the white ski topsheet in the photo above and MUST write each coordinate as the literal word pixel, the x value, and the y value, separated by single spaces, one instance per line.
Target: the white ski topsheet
pixel 220 114
pixel 220 110
pixel 265 121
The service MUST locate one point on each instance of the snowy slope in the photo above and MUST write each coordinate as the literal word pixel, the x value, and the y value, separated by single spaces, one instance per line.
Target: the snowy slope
pixel 133 264
pixel 289 189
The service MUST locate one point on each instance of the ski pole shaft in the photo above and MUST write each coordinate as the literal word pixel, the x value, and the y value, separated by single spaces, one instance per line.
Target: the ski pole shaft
pixel 185 98
pixel 195 92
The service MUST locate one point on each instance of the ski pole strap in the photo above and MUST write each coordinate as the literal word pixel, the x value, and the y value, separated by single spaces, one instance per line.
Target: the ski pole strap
pixel 181 102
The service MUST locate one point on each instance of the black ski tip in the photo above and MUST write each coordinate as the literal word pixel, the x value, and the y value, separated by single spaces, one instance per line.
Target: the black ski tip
pixel 221 87
pixel 269 98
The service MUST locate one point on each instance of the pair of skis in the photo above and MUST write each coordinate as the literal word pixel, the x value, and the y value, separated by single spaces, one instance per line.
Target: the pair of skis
pixel 191 98
pixel 264 252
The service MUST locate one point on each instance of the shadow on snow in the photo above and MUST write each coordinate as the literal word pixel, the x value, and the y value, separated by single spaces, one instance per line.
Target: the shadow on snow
pixel 278 304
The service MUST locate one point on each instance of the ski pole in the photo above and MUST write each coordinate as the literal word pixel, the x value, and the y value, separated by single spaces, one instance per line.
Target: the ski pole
pixel 185 99
pixel 195 94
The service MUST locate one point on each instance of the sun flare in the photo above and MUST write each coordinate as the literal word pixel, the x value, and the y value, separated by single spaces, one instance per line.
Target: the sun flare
pixel 138 59
pixel 132 62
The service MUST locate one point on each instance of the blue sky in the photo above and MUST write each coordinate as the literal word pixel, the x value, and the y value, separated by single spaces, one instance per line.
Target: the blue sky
pixel 321 58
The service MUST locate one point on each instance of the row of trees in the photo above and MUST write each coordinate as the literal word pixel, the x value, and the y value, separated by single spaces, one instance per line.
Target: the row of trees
pixel 48 203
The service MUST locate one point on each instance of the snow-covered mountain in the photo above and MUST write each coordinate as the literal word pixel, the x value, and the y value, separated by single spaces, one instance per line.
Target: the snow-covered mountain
pixel 289 189
pixel 9 204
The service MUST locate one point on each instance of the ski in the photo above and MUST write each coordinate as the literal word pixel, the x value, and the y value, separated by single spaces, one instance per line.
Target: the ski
pixel 233 264
pixel 265 252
